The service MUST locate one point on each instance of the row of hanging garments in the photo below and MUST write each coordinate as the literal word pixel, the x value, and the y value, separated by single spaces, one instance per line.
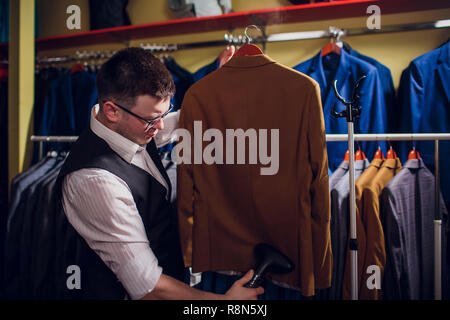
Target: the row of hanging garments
pixel 395 210
pixel 65 96
pixel 29 268
pixel 29 242
pixel 421 104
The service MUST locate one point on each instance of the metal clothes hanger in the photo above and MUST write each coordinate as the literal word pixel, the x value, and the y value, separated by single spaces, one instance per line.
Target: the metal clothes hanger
pixel 249 49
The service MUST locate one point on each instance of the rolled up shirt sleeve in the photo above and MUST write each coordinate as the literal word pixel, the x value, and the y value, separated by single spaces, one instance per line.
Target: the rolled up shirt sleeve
pixel 100 207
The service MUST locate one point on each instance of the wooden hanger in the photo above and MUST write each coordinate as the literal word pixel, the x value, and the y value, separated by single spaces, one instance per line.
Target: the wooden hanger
pixel 347 156
pixel 249 49
pixel 76 67
pixel 413 154
pixel 226 55
pixel 391 154
pixel 334 46
pixel 359 155
pixel 331 47
pixel 379 154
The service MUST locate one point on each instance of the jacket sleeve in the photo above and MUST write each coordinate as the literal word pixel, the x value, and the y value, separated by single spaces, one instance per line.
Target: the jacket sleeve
pixel 411 102
pixel 375 253
pixel 185 182
pixel 319 190
pixel 393 272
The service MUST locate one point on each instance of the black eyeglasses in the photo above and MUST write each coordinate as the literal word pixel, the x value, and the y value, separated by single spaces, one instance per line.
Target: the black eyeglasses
pixel 150 123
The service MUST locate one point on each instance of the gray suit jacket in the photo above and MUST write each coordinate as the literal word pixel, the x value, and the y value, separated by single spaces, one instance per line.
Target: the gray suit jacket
pixel 339 226
pixel 338 174
pixel 407 214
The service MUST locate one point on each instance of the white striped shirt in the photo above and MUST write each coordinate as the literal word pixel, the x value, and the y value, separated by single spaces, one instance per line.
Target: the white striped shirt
pixel 100 207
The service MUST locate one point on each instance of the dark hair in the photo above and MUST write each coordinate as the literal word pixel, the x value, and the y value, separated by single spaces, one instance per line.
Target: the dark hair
pixel 132 72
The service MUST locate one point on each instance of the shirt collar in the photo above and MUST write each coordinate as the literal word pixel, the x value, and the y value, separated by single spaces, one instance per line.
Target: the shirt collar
pixel 124 147
pixel 392 163
pixel 376 163
pixel 414 164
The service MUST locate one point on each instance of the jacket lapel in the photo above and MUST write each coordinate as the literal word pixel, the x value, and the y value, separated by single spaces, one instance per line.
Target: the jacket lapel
pixel 341 76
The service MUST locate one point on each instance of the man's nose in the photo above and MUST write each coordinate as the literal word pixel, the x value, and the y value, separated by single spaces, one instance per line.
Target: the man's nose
pixel 159 124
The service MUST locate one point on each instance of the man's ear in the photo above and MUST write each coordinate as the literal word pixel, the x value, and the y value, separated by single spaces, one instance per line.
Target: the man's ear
pixel 111 112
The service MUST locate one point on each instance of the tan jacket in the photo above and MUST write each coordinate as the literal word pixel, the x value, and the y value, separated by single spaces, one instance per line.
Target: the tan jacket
pixel 226 209
pixel 375 248
pixel 371 248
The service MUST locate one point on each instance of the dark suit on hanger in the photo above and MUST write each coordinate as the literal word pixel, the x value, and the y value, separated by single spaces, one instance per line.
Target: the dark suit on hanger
pixel 347 69
pixel 34 205
pixel 42 244
pixel 407 214
pixel 15 223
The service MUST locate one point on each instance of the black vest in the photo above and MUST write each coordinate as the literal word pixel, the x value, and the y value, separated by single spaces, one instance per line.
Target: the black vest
pixel 158 215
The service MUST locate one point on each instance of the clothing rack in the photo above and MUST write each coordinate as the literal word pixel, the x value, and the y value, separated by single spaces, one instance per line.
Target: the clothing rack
pixel 230 39
pixel 42 139
pixel 436 137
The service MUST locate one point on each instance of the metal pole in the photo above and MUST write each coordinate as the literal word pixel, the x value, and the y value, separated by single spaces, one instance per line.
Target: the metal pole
pixel 437 229
pixel 41 149
pixel 390 137
pixel 353 240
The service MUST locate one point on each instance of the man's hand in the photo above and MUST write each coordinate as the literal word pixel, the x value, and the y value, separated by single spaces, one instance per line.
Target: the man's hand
pixel 239 292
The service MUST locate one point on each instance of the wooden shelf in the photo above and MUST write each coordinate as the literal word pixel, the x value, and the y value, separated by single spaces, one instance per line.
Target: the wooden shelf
pixel 283 15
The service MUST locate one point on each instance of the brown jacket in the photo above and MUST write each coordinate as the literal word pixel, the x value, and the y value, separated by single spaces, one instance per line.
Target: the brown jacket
pixel 226 209
pixel 375 248
pixel 371 248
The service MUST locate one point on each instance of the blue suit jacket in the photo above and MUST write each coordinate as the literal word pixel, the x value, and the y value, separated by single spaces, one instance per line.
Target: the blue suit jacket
pixel 67 108
pixel 387 84
pixel 424 95
pixel 347 69
pixel 204 71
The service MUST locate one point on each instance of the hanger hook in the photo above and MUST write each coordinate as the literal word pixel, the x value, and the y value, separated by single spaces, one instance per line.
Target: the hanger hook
pixel 245 32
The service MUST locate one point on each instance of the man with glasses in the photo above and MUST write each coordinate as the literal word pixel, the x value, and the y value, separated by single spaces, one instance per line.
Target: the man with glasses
pixel 122 231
